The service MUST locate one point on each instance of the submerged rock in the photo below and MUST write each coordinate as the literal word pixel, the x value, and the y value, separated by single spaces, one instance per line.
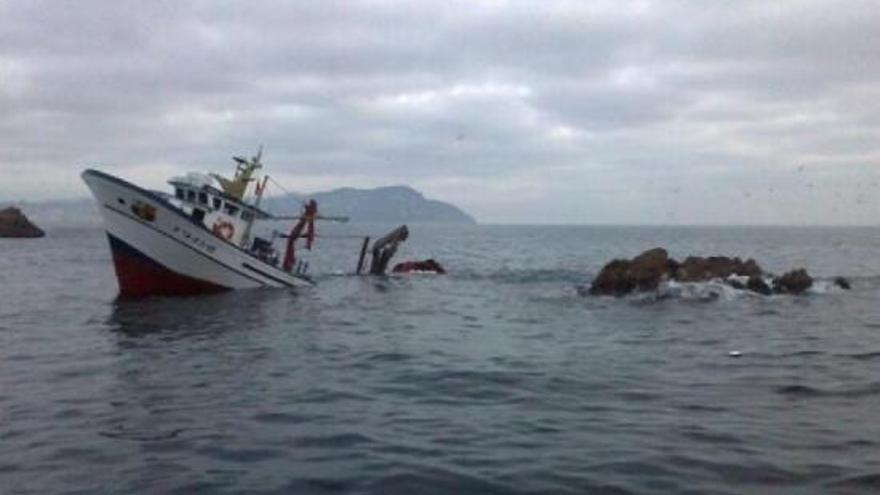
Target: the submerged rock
pixel 842 283
pixel 13 223
pixel 793 282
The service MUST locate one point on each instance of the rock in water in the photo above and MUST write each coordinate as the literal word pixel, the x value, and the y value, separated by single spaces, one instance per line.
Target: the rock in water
pixel 649 268
pixel 793 282
pixel 756 284
pixel 644 272
pixel 613 280
pixel 698 269
pixel 842 283
pixel 13 223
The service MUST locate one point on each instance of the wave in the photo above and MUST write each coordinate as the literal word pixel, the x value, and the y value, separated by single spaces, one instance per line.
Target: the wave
pixel 863 356
pixel 121 432
pixel 713 290
pixel 808 391
pixel 825 286
pixel 870 480
pixel 722 290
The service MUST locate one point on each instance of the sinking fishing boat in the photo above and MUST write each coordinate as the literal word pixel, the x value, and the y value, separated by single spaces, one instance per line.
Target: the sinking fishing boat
pixel 200 238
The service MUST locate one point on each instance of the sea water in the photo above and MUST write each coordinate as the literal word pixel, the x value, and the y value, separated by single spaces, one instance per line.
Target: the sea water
pixel 500 377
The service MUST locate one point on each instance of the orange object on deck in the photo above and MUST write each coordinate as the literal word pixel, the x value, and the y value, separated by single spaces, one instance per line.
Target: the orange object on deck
pixel 426 266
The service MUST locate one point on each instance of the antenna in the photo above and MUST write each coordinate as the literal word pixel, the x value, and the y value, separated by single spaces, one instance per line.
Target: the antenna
pixel 256 160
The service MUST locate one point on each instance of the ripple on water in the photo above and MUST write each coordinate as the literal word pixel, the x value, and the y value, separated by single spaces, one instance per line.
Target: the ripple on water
pixel 316 485
pixel 390 357
pixel 862 356
pixel 862 481
pixel 807 391
pixel 141 435
pixel 736 473
pixel 427 480
pixel 709 436
pixel 336 440
pixel 707 408
pixel 470 386
pixel 282 418
pixel 240 454
pixel 326 395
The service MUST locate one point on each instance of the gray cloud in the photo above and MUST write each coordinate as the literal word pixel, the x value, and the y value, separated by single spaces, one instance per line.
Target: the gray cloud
pixel 560 111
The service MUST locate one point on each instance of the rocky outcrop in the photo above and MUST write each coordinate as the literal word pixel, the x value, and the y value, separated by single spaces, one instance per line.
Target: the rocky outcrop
pixel 696 269
pixel 13 223
pixel 648 270
pixel 650 267
pixel 644 272
pixel 793 282
pixel 614 279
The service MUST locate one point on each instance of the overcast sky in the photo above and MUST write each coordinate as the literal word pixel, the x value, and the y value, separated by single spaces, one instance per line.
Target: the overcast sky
pixel 644 112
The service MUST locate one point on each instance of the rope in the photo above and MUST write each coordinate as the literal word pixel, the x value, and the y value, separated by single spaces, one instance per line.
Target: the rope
pixel 273 181
pixel 302 203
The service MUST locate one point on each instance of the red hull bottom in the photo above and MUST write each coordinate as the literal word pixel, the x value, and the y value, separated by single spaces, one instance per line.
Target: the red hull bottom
pixel 141 276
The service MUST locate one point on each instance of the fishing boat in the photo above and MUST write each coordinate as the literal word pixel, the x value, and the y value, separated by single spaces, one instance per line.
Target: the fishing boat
pixel 200 237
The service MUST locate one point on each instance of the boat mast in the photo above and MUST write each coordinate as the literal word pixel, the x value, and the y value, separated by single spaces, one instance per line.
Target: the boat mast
pixel 246 236
pixel 244 174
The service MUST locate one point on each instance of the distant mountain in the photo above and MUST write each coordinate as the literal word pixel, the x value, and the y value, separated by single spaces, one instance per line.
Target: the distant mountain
pixel 396 204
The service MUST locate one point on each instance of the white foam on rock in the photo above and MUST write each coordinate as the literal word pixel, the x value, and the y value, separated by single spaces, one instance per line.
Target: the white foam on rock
pixel 824 287
pixel 720 289
pixel 715 289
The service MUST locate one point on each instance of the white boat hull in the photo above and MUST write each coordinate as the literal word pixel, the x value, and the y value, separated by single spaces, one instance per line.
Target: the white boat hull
pixel 158 250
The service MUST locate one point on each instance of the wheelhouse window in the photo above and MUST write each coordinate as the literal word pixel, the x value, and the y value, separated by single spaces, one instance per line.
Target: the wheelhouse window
pixel 203 198
pixel 191 195
pixel 218 203
pixel 231 209
pixel 178 192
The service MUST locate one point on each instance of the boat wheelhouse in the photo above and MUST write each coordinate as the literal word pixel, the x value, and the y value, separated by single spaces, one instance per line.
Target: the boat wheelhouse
pixel 198 196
